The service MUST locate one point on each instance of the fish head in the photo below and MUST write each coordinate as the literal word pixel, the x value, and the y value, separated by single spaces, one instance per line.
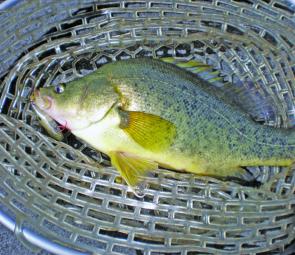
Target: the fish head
pixel 78 104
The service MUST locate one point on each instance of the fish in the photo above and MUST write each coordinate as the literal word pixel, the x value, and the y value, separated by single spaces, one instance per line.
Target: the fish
pixel 149 113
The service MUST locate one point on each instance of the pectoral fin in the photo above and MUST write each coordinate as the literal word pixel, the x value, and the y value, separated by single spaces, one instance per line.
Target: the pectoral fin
pixel 131 167
pixel 149 131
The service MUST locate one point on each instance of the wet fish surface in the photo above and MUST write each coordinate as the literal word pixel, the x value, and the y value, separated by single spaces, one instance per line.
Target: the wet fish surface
pixel 145 112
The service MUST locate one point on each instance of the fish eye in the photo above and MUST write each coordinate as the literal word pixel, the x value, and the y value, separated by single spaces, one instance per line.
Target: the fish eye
pixel 59 88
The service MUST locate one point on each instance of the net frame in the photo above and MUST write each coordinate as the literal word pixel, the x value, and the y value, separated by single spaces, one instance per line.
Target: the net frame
pixel 55 190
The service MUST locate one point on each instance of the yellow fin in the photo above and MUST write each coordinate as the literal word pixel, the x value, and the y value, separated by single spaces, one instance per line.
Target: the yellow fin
pixel 168 60
pixel 197 67
pixel 184 64
pixel 215 79
pixel 131 167
pixel 200 69
pixel 149 131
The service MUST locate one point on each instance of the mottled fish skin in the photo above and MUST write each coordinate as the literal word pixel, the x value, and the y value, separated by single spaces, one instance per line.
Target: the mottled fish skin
pixel 208 128
pixel 213 136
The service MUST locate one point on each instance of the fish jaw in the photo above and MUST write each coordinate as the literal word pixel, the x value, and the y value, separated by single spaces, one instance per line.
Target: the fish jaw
pixel 43 102
pixel 48 105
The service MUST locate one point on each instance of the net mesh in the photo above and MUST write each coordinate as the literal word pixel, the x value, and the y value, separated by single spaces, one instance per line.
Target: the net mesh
pixel 69 193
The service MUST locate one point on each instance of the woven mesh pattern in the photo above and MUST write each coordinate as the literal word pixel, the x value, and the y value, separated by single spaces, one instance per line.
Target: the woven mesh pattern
pixel 69 193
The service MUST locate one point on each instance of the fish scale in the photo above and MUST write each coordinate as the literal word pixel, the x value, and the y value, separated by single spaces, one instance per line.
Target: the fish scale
pixel 183 91
pixel 152 112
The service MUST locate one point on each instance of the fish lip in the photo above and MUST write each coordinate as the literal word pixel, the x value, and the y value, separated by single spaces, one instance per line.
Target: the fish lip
pixel 43 102
pixel 48 100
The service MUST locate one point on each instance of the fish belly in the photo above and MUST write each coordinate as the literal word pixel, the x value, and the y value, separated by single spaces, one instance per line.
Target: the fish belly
pixel 109 138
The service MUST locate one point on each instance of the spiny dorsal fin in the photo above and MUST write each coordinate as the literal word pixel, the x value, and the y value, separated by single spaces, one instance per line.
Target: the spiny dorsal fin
pixel 259 107
pixel 204 71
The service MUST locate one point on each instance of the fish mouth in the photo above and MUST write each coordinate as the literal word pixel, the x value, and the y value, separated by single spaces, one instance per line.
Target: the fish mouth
pixel 43 102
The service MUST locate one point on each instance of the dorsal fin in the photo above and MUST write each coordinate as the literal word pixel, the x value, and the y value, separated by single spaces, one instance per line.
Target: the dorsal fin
pixel 261 107
pixel 251 101
pixel 204 71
